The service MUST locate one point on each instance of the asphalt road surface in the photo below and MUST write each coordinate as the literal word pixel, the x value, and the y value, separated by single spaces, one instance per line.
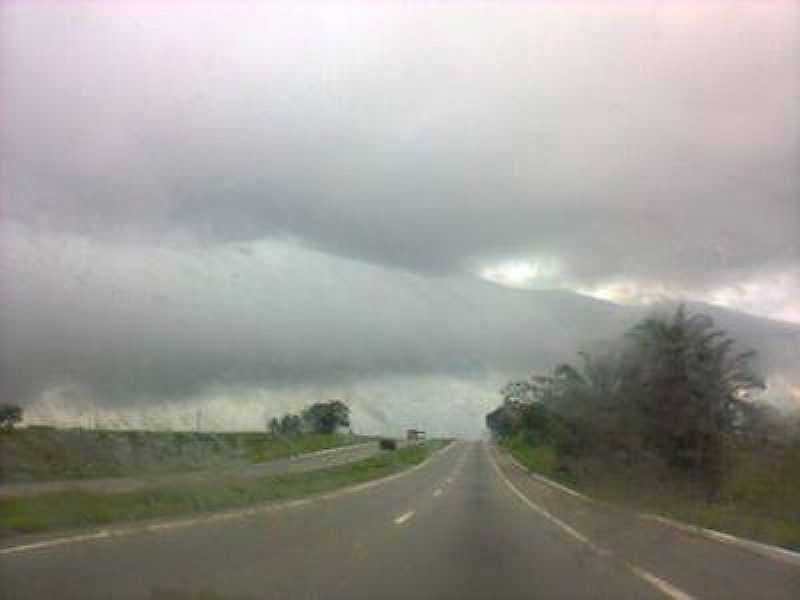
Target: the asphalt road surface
pixel 466 524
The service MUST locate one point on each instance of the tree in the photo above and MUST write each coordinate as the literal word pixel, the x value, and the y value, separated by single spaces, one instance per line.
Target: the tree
pixel 592 399
pixel 694 385
pixel 10 415
pixel 291 424
pixel 288 424
pixel 503 420
pixel 676 390
pixel 326 417
pixel 520 391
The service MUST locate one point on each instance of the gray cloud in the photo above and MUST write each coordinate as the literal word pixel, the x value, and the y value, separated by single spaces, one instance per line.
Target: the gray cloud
pixel 135 323
pixel 276 196
pixel 165 321
pixel 655 143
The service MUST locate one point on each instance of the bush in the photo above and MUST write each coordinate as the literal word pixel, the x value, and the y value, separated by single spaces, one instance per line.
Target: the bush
pixel 326 417
pixel 10 415
pixel 287 425
pixel 41 428
pixel 539 458
pixel 388 444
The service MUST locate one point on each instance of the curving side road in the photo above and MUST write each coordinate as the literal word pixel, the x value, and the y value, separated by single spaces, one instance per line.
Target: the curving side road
pixel 466 524
pixel 301 462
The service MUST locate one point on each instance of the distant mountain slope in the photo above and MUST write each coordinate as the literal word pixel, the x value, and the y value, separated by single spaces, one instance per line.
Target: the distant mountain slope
pixel 532 329
pixel 777 342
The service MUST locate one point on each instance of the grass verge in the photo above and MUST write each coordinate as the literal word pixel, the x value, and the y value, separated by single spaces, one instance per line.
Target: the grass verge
pixel 541 459
pixel 760 504
pixel 46 454
pixel 68 510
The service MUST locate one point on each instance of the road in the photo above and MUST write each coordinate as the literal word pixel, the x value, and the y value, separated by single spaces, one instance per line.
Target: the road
pixel 466 524
pixel 302 462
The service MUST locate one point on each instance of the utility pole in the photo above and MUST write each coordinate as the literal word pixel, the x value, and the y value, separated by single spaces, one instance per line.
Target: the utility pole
pixel 197 420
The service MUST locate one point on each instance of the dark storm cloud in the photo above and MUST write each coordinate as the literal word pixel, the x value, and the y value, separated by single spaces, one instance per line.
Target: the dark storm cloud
pixel 133 323
pixel 274 195
pixel 171 321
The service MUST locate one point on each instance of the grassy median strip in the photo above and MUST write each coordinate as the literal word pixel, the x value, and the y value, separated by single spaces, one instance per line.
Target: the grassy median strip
pixel 68 510
pixel 47 454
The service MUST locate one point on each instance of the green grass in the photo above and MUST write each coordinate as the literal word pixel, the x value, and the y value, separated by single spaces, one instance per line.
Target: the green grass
pixel 68 510
pixel 42 454
pixel 779 530
pixel 541 459
pixel 760 499
pixel 266 447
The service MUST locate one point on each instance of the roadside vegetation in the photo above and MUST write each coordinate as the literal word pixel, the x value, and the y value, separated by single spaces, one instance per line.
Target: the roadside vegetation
pixel 10 415
pixel 668 421
pixel 39 453
pixel 321 417
pixel 68 510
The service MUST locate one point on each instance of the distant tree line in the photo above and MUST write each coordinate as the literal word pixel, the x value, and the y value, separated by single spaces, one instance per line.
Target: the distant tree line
pixel 675 388
pixel 320 417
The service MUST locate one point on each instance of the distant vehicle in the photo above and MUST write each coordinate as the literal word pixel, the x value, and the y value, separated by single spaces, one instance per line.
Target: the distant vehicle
pixel 413 435
pixel 388 444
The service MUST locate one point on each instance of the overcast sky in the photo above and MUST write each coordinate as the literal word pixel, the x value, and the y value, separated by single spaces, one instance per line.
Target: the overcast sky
pixel 247 206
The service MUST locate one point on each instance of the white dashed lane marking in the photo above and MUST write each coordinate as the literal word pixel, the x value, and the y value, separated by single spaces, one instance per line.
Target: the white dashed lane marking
pixel 404 518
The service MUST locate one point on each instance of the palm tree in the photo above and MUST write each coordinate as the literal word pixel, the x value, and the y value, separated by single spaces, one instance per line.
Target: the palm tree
pixel 593 394
pixel 693 381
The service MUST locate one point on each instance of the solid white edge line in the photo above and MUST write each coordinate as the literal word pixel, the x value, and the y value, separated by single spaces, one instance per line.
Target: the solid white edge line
pixel 56 542
pixel 664 587
pixel 765 550
pixel 220 516
pixel 548 481
pixel 760 548
pixel 302 456
pixel 404 517
pixel 538 509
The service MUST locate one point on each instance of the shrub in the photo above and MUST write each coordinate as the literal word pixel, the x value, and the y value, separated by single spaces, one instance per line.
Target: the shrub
pixel 10 415
pixel 388 444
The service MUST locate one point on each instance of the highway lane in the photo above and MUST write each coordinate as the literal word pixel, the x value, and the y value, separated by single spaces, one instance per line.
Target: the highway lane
pixel 461 526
